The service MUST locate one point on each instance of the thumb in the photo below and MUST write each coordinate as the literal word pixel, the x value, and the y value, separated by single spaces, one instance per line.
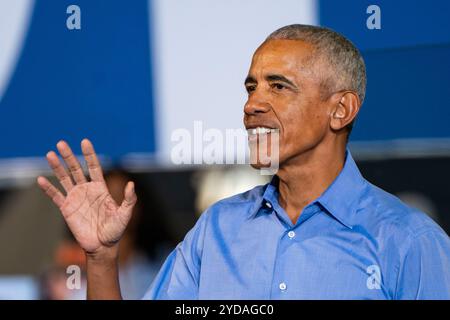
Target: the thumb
pixel 130 198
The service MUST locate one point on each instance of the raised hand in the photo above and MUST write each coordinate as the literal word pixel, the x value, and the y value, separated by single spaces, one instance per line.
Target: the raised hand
pixel 94 218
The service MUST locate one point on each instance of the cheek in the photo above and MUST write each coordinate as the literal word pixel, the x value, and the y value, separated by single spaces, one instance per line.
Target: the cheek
pixel 315 116
pixel 304 124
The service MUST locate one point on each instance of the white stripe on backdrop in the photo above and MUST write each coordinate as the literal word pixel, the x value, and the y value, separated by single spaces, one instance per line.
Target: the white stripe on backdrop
pixel 202 51
pixel 15 17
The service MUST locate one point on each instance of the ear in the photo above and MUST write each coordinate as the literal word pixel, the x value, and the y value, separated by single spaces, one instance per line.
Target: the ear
pixel 345 110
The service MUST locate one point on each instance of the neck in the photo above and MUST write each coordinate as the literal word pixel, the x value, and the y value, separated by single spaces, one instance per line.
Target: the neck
pixel 304 178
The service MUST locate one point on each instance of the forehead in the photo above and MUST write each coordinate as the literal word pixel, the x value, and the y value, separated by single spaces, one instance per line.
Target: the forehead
pixel 282 56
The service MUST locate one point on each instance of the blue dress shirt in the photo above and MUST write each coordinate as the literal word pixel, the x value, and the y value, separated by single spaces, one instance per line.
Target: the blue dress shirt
pixel 355 241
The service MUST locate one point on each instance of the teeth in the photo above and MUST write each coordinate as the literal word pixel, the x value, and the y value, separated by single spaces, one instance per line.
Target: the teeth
pixel 261 130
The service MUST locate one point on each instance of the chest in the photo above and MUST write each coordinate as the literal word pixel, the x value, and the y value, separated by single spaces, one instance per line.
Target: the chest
pixel 297 263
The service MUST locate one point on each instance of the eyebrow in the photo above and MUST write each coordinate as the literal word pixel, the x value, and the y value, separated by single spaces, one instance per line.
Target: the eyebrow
pixel 250 79
pixel 281 78
pixel 271 77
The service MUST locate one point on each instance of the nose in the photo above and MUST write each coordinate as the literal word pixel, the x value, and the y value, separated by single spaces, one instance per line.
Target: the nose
pixel 256 105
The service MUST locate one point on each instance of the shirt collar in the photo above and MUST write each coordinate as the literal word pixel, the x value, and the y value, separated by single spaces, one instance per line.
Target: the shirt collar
pixel 340 199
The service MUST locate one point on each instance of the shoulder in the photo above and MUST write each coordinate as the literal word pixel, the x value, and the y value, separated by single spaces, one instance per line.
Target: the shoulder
pixel 241 200
pixel 235 209
pixel 386 214
pixel 224 215
pixel 239 204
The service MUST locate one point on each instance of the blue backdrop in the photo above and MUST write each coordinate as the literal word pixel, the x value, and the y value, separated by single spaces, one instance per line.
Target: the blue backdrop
pixel 408 66
pixel 97 82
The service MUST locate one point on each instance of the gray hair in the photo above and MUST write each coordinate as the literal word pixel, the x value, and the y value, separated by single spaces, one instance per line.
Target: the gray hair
pixel 348 71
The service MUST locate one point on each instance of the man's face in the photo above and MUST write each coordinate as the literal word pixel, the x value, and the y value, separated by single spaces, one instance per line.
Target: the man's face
pixel 284 93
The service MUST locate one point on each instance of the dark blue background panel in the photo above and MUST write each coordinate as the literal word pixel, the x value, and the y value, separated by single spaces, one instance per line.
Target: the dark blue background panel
pixel 407 94
pixel 70 84
pixel 403 22
pixel 408 66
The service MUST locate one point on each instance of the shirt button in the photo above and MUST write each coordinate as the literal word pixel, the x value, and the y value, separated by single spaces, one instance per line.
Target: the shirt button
pixel 291 234
pixel 282 286
pixel 268 205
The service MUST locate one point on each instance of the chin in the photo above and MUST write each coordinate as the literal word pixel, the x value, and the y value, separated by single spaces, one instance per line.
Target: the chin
pixel 262 159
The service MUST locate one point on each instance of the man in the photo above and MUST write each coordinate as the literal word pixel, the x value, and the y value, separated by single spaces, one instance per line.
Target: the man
pixel 319 230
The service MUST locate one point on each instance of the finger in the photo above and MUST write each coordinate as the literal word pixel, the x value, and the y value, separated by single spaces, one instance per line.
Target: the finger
pixel 95 170
pixel 51 191
pixel 60 171
pixel 71 161
pixel 129 200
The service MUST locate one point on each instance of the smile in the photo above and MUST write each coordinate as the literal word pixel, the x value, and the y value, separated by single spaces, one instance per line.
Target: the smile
pixel 261 130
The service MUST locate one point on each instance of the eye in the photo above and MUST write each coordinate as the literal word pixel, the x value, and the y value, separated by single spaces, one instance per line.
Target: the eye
pixel 278 86
pixel 250 88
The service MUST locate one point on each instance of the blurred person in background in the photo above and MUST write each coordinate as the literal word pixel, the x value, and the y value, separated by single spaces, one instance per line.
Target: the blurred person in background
pixel 146 241
pixel 53 282
pixel 144 245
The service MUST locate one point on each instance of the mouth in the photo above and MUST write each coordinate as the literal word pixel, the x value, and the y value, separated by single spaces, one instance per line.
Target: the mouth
pixel 261 130
pixel 262 135
pixel 264 145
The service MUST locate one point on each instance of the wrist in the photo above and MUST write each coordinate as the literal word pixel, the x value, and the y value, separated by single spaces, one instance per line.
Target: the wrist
pixel 104 254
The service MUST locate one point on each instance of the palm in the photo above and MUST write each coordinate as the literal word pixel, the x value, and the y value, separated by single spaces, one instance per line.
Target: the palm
pixel 92 215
